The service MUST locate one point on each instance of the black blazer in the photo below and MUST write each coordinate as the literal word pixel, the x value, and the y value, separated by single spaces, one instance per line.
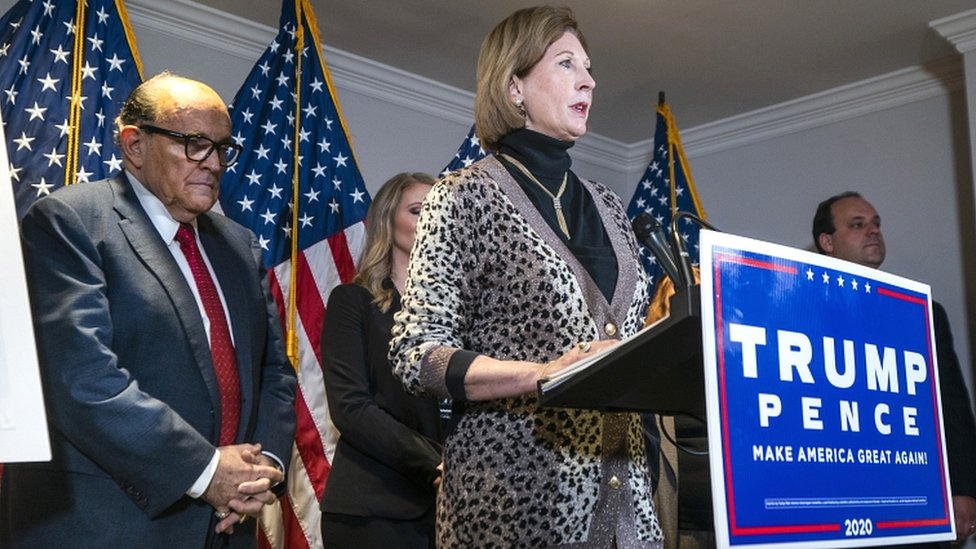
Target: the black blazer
pixel 389 444
pixel 957 413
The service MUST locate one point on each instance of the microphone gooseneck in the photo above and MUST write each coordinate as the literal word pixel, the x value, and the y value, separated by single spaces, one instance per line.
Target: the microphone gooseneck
pixel 678 243
pixel 650 234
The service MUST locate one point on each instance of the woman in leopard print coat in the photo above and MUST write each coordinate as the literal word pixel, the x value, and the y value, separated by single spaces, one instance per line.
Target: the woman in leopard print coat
pixel 501 292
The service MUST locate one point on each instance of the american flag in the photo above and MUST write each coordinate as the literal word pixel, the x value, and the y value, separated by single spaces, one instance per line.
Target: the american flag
pixel 65 69
pixel 298 187
pixel 468 153
pixel 665 189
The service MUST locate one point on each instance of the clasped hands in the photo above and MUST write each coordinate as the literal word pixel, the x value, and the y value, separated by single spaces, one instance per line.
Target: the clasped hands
pixel 242 484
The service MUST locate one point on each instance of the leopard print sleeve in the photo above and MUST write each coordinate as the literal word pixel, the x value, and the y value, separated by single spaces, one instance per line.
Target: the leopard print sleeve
pixel 433 315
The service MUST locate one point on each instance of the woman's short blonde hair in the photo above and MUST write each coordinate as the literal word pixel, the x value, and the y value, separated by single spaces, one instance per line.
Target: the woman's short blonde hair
pixel 512 49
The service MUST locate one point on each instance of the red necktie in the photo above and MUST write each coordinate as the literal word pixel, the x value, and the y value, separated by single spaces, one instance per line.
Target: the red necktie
pixel 225 365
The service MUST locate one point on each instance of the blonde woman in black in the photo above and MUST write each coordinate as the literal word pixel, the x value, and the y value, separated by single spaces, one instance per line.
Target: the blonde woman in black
pixel 381 490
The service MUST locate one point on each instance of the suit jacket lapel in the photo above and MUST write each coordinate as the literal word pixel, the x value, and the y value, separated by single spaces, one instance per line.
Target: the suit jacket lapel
pixel 619 231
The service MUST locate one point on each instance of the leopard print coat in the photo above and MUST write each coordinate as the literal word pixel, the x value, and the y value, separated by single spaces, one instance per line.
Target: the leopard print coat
pixel 487 274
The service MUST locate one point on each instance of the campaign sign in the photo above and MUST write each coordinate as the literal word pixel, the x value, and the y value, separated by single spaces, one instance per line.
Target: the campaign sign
pixel 23 423
pixel 824 417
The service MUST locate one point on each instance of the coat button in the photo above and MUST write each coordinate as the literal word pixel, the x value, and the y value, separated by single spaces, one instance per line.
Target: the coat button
pixel 615 482
pixel 610 329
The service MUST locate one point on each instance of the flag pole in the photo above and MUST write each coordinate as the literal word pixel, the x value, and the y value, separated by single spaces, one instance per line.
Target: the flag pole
pixel 665 111
pixel 674 139
pixel 74 108
pixel 291 344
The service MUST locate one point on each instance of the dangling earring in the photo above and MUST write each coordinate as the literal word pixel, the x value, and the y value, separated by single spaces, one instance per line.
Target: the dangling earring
pixel 518 105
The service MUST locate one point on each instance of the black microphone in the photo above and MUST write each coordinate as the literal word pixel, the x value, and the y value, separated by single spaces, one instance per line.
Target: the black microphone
pixel 678 243
pixel 650 233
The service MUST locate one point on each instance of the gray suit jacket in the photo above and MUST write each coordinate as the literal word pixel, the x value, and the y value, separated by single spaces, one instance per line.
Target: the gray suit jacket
pixel 132 398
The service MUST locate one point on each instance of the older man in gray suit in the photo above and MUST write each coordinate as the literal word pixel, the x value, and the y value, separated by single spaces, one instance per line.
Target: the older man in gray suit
pixel 169 394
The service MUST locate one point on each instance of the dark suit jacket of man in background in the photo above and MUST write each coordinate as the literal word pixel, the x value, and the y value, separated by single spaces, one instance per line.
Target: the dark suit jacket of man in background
pixel 130 388
pixel 957 415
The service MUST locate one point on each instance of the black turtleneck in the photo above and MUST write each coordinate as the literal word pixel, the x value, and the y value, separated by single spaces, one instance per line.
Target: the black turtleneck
pixel 548 160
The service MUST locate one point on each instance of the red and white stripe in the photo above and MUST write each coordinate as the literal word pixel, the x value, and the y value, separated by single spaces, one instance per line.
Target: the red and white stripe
pixel 295 521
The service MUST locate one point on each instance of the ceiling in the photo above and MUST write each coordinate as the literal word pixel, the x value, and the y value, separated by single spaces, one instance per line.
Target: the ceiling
pixel 714 59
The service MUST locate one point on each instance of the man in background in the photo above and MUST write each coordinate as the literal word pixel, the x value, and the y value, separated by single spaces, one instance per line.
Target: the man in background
pixel 846 226
pixel 169 395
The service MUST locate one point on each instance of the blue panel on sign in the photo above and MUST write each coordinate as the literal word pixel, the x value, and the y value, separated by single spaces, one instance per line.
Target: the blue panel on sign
pixel 824 412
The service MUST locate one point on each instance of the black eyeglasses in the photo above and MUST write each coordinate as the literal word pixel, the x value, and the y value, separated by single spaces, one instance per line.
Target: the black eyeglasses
pixel 199 148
